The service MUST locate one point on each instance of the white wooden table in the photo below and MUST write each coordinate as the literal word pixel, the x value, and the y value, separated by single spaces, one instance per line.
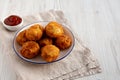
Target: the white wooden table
pixel 96 21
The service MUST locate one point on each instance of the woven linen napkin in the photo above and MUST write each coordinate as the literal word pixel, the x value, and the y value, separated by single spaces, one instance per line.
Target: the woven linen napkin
pixel 80 62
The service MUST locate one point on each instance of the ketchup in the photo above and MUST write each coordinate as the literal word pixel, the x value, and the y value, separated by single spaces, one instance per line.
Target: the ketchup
pixel 13 20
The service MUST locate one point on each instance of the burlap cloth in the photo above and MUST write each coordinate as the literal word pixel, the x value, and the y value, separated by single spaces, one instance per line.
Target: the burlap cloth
pixel 79 63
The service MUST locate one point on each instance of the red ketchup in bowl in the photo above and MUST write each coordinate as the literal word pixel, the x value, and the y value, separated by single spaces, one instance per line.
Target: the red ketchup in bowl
pixel 13 20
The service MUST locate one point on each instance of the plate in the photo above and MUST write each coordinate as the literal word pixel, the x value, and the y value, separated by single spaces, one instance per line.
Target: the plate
pixel 38 59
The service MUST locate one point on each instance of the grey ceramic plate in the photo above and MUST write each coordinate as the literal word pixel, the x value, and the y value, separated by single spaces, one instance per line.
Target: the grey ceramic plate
pixel 38 60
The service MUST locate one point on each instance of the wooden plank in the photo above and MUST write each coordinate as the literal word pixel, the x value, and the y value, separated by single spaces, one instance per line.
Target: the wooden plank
pixel 96 21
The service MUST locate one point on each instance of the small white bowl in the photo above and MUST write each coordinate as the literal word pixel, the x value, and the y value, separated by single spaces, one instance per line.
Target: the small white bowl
pixel 12 28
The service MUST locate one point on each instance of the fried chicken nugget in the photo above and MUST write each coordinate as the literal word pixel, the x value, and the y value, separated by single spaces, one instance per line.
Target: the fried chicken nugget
pixel 21 38
pixel 50 53
pixel 45 41
pixel 54 29
pixel 34 32
pixel 30 49
pixel 63 42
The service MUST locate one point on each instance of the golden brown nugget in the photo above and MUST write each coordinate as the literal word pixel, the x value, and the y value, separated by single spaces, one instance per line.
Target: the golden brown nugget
pixel 50 53
pixel 34 32
pixel 45 41
pixel 63 42
pixel 21 38
pixel 30 49
pixel 54 30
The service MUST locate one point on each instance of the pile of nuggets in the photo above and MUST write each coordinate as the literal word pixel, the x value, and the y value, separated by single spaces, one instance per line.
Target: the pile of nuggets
pixel 46 41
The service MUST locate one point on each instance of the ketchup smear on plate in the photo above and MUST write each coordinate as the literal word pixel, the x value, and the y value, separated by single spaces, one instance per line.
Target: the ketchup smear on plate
pixel 13 20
